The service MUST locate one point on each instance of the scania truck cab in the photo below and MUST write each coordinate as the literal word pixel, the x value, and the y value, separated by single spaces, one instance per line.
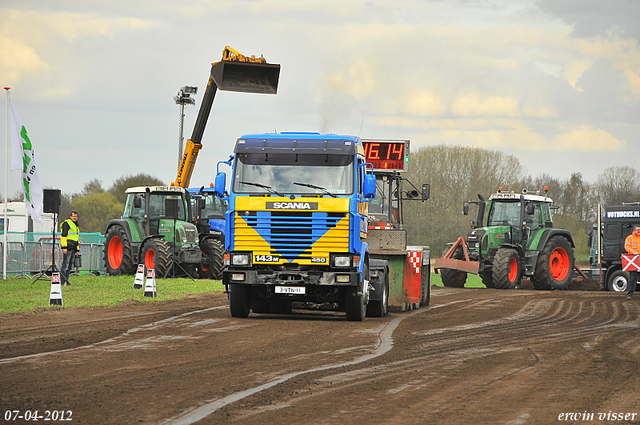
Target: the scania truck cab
pixel 296 226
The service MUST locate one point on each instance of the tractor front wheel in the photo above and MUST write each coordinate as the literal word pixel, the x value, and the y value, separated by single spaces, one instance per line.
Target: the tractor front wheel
pixel 450 277
pixel 555 264
pixel 118 259
pixel 156 255
pixel 506 269
pixel 212 259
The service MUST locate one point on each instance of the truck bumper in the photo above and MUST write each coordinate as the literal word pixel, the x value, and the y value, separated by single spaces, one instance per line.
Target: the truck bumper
pixel 289 286
pixel 290 278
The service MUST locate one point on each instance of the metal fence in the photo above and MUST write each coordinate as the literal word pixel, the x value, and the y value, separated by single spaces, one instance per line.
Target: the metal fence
pixel 28 258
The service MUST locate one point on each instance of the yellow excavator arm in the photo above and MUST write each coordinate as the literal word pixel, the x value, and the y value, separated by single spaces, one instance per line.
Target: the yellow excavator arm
pixel 235 72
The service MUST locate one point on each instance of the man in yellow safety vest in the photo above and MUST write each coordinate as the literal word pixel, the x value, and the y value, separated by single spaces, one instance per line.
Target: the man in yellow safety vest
pixel 69 241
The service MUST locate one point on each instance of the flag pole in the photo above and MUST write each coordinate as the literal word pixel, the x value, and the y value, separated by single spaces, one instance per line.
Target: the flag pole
pixel 5 227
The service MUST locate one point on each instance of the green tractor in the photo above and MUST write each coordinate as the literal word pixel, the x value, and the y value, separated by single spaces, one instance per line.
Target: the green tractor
pixel 517 240
pixel 154 231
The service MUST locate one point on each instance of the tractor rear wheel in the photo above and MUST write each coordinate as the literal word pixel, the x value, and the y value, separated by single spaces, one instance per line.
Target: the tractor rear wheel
pixel 450 277
pixel 118 259
pixel 554 268
pixel 506 269
pixel 212 258
pixel 156 255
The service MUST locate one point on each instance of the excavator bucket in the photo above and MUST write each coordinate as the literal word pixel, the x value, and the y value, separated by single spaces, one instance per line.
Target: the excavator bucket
pixel 248 77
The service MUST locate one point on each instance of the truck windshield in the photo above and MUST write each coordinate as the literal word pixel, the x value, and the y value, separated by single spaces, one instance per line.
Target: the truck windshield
pixel 504 214
pixel 330 174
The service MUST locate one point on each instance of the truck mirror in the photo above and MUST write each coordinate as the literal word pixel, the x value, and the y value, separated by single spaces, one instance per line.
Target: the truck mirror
pixel 137 202
pixel 465 209
pixel 220 184
pixel 369 190
pixel 426 191
pixel 201 203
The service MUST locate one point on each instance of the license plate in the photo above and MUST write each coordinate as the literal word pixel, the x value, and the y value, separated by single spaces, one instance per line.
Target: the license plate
pixel 290 290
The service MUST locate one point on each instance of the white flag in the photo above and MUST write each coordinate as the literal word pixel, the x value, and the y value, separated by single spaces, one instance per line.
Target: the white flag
pixel 24 158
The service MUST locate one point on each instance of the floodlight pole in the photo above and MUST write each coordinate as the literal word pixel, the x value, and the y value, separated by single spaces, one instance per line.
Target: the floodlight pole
pixel 5 227
pixel 180 137
pixel 183 98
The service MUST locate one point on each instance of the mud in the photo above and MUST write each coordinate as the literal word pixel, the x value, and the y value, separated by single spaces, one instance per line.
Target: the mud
pixel 474 356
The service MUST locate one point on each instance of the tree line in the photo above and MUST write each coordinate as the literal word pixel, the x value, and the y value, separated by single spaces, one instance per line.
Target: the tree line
pixel 456 174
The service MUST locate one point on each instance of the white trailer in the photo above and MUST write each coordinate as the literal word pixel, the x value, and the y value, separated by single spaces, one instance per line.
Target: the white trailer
pixel 20 221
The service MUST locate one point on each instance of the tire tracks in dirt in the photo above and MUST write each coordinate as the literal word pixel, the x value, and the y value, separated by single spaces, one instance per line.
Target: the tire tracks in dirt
pixel 438 354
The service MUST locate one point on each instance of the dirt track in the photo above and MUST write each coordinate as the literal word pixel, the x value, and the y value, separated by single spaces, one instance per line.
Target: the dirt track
pixel 475 356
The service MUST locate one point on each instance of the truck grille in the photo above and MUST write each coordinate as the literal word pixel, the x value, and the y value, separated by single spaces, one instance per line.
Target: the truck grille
pixel 292 235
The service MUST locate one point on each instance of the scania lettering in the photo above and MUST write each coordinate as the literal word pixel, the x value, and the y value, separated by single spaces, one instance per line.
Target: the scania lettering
pixel 297 224
pixel 292 205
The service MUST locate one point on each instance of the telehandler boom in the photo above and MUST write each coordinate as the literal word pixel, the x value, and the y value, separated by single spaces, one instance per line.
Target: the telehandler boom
pixel 235 72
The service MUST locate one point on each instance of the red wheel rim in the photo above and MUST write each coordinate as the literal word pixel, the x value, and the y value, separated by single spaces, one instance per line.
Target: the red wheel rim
pixel 559 264
pixel 115 252
pixel 150 259
pixel 513 269
pixel 204 267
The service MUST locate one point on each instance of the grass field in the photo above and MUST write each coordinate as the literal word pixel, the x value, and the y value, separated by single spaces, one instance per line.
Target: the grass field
pixel 92 291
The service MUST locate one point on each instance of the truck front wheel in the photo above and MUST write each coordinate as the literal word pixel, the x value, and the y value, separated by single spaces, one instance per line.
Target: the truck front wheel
pixel 239 302
pixel 618 281
pixel 118 259
pixel 506 269
pixel 380 308
pixel 555 264
pixel 356 299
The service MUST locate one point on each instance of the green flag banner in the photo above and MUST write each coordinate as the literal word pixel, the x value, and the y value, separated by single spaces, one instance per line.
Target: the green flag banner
pixel 24 158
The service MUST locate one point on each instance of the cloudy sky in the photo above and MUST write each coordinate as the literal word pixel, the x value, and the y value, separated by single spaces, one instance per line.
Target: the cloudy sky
pixel 554 82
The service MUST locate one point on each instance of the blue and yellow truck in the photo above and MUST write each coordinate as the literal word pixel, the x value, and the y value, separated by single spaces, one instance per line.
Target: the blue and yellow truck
pixel 297 224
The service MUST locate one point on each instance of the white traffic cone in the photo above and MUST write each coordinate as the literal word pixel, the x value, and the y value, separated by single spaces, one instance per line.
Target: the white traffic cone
pixel 55 294
pixel 139 282
pixel 150 284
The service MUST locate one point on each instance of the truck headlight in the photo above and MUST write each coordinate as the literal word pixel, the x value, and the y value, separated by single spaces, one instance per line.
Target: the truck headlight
pixel 342 261
pixel 240 259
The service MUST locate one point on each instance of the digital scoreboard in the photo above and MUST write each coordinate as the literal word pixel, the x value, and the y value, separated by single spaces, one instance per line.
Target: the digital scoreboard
pixel 387 155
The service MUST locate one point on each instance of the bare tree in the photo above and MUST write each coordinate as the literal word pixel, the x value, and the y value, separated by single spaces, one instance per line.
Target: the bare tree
pixel 618 184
